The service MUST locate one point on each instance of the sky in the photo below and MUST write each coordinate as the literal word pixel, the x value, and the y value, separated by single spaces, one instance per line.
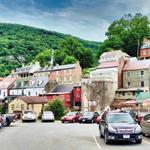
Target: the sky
pixel 87 19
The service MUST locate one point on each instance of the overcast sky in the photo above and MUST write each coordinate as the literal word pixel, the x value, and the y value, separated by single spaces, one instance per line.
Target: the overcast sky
pixel 87 19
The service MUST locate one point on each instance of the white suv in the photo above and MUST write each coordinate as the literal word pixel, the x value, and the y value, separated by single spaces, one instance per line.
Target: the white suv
pixel 47 116
pixel 28 115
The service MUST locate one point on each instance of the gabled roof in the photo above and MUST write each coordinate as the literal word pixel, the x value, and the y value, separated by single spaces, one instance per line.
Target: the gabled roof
pixel 37 82
pixel 62 88
pixel 58 67
pixel 115 52
pixel 6 83
pixel 110 64
pixel 33 99
pixel 137 65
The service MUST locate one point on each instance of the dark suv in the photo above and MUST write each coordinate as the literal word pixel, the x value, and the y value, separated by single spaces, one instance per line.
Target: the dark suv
pixel 117 126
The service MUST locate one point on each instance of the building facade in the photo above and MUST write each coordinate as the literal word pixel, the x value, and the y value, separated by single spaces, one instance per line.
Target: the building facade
pixel 145 49
pixel 63 74
pixel 5 85
pixel 22 103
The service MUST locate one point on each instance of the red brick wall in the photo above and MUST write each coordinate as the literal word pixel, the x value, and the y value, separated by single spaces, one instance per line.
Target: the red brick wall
pixel 77 94
pixel 65 97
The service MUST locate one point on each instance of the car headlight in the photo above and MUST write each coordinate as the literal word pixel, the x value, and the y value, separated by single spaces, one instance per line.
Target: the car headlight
pixel 138 129
pixel 111 129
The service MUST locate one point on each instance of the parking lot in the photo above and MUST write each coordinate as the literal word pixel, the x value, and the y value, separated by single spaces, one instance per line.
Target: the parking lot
pixel 58 136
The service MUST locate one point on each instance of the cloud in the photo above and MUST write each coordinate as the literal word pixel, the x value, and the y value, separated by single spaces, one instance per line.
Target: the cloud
pixel 87 19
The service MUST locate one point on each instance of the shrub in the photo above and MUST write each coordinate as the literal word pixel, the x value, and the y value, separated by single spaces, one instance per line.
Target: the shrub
pixel 57 107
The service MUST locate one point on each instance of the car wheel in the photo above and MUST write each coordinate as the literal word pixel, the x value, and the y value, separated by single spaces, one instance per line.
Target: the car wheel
pixel 143 134
pixel 106 138
pixel 139 141
pixel 62 121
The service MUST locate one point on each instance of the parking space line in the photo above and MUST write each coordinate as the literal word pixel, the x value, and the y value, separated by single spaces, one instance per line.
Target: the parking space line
pixel 96 142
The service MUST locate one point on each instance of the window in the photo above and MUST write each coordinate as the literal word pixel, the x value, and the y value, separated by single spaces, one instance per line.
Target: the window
pixel 12 107
pixel 70 78
pixel 142 83
pixel 29 93
pixel 142 73
pixel 123 93
pixel 129 84
pixel 22 106
pixel 128 74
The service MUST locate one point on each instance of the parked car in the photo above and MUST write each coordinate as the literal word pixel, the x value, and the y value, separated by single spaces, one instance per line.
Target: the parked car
pixel 1 120
pixel 119 126
pixel 28 115
pixel 145 124
pixel 47 116
pixel 8 119
pixel 89 117
pixel 71 117
pixel 140 116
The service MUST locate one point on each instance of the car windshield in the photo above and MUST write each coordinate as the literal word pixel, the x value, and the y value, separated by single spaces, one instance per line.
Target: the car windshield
pixel 26 112
pixel 119 118
pixel 47 112
pixel 89 114
pixel 71 114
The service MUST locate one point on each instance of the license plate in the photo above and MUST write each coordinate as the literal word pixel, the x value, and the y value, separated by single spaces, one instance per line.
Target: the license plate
pixel 83 120
pixel 126 136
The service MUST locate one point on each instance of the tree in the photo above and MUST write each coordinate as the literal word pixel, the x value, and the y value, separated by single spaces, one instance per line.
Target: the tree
pixel 44 57
pixel 127 34
pixel 57 107
pixel 69 60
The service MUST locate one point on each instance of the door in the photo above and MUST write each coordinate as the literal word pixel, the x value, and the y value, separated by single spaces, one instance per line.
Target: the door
pixel 146 124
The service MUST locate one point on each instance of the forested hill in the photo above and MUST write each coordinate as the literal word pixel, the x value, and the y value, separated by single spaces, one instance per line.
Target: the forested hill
pixel 20 44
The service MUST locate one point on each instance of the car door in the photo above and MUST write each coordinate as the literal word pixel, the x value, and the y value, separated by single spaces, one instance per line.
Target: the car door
pixel 146 124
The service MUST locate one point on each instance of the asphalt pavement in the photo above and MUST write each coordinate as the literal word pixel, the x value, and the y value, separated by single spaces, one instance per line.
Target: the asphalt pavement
pixel 58 136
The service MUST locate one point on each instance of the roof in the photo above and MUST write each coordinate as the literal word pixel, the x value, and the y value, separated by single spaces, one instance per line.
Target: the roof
pixel 63 88
pixel 34 82
pixel 28 69
pixel 146 45
pixel 55 68
pixel 109 64
pixel 137 65
pixel 33 99
pixel 6 83
pixel 129 89
pixel 115 52
pixel 142 96
pixel 1 78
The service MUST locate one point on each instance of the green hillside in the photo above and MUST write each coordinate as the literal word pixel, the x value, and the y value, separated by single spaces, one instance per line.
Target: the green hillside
pixel 20 44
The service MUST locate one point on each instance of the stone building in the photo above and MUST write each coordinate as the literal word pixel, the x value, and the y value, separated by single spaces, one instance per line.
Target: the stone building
pixel 136 76
pixel 96 94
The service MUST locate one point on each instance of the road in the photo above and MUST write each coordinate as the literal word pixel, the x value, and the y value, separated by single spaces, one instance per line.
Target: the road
pixel 58 136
